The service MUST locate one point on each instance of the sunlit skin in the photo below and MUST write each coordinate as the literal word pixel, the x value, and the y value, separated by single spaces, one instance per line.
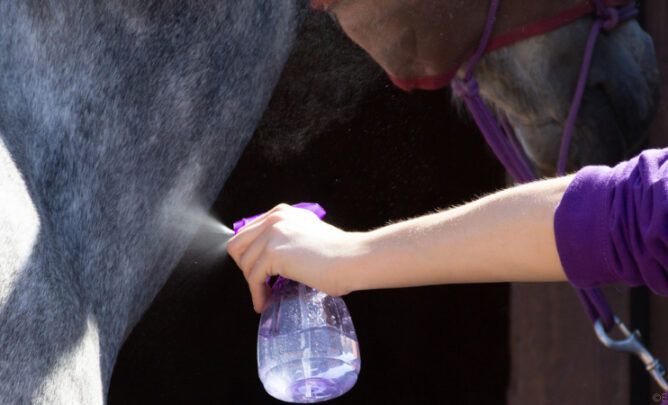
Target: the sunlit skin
pixel 505 236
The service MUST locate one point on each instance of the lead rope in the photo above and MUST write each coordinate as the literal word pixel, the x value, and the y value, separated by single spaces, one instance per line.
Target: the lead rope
pixel 504 143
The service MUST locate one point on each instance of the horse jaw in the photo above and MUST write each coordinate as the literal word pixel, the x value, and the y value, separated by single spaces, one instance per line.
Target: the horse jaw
pixel 532 84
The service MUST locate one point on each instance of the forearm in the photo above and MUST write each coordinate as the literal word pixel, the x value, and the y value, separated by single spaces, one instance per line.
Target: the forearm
pixel 610 227
pixel 506 236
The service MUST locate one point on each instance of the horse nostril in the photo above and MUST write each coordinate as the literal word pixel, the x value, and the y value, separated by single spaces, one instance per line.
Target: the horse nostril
pixel 624 76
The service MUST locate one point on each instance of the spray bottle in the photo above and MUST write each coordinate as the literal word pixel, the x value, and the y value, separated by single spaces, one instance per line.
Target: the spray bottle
pixel 307 349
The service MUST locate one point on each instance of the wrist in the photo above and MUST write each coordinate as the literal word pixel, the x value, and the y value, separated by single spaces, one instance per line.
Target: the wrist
pixel 373 260
pixel 351 273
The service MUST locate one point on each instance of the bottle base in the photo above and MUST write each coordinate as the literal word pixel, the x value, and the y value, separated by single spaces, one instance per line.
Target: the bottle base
pixel 319 380
pixel 311 390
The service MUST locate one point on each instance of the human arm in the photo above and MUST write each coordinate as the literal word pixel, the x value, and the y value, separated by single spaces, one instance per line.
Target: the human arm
pixel 604 225
pixel 507 236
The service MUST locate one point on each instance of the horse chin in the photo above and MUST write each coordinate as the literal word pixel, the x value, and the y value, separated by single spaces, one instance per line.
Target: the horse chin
pixel 600 139
pixel 534 93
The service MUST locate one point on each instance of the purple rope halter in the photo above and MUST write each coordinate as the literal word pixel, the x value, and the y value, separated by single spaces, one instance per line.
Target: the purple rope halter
pixel 467 88
pixel 503 142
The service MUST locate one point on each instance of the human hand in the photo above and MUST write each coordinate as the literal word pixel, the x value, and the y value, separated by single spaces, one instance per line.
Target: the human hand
pixel 293 243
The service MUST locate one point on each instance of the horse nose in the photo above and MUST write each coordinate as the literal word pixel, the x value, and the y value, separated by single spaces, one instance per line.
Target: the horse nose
pixel 625 70
pixel 619 103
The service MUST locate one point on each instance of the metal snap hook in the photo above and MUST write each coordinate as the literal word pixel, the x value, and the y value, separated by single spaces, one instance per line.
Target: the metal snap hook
pixel 632 344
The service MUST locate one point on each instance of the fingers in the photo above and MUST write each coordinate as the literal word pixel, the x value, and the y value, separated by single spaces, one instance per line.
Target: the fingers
pixel 256 268
pixel 260 295
pixel 238 244
pixel 253 268
pixel 252 253
pixel 248 249
pixel 258 284
pixel 246 235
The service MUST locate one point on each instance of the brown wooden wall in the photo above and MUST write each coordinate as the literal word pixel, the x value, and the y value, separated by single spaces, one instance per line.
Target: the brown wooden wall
pixel 656 22
pixel 555 356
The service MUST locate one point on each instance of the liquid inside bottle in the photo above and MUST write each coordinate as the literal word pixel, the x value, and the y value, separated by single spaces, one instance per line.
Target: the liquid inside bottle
pixel 307 349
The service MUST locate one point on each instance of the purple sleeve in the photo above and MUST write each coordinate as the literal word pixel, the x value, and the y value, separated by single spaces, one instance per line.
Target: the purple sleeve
pixel 612 224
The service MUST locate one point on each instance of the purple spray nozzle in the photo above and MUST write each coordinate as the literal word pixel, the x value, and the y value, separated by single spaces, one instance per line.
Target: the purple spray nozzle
pixel 313 207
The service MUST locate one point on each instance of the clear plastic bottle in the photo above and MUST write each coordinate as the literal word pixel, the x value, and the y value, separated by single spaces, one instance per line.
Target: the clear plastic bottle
pixel 307 349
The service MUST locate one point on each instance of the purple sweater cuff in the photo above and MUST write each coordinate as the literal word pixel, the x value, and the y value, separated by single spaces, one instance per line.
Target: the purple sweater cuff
pixel 612 224
pixel 583 239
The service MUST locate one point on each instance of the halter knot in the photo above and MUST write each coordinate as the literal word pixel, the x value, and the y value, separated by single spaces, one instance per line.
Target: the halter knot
pixel 465 88
pixel 610 18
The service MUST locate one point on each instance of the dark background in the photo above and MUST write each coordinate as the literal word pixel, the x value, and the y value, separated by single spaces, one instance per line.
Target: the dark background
pixel 337 133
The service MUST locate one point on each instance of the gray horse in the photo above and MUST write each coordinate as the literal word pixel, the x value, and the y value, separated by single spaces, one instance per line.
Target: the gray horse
pixel 118 117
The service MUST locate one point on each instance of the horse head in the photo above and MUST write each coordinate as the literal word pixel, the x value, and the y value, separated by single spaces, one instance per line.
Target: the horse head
pixel 531 68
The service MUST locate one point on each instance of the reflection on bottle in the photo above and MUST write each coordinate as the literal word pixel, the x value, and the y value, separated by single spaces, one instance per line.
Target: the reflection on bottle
pixel 307 349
